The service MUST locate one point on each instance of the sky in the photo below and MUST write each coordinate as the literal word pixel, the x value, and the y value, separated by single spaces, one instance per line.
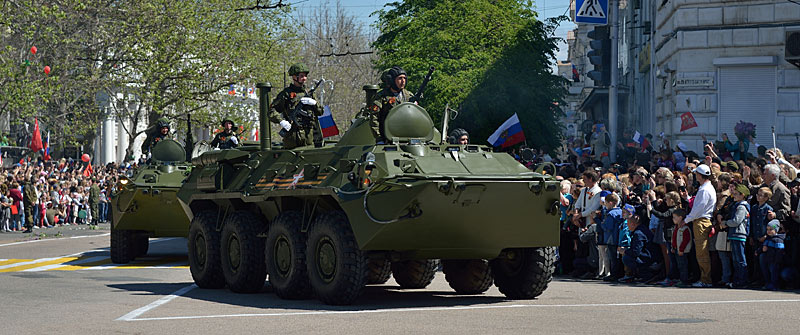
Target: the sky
pixel 363 8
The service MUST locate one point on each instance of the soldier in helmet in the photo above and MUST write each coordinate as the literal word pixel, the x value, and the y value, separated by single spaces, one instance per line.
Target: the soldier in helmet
pixel 394 93
pixel 226 139
pixel 300 131
pixel 155 134
pixel 459 136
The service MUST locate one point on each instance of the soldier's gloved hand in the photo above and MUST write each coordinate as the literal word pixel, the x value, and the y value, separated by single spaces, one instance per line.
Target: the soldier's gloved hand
pixel 308 101
pixel 286 125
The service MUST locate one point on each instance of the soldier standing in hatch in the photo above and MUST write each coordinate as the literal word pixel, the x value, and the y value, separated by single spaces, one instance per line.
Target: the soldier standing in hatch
pixel 298 132
pixel 394 93
pixel 160 132
pixel 227 138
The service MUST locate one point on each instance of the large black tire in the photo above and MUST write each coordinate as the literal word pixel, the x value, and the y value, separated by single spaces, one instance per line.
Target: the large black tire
pixel 243 264
pixel 286 257
pixel 379 270
pixel 337 268
pixel 526 273
pixel 468 276
pixel 142 244
pixel 123 246
pixel 415 273
pixel 204 254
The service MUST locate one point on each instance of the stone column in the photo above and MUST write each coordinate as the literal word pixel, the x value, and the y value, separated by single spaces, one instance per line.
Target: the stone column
pixel 108 140
pixel 122 141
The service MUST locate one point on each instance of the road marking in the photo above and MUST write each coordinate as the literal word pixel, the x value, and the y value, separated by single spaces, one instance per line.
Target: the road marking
pixel 53 239
pixel 35 264
pixel 132 316
pixel 59 266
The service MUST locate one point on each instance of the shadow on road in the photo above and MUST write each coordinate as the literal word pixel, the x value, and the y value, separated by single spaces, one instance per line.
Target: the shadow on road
pixel 377 297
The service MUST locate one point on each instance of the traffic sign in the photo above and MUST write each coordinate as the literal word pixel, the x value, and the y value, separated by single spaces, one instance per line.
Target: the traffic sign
pixel 591 11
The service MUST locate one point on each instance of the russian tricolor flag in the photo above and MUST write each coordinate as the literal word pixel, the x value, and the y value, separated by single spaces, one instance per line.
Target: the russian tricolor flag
pixel 47 147
pixel 509 133
pixel 326 123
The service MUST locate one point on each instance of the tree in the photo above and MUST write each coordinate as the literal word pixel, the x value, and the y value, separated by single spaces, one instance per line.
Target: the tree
pixel 337 48
pixel 493 59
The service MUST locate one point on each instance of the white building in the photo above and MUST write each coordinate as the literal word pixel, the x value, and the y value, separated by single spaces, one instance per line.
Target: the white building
pixel 724 61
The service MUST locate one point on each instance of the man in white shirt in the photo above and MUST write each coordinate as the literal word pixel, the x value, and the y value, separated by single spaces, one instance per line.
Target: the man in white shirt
pixel 700 217
pixel 589 200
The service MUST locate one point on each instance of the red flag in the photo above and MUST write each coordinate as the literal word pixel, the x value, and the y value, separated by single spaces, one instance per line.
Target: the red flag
pixel 88 171
pixel 36 142
pixel 687 121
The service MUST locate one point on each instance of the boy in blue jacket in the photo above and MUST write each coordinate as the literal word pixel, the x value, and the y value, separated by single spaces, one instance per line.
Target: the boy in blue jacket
pixel 610 226
pixel 771 255
pixel 641 255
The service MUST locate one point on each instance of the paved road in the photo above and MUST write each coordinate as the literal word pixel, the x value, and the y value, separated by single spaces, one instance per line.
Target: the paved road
pixel 87 295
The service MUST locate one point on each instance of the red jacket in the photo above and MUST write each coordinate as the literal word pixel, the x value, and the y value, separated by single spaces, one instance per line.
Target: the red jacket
pixel 681 239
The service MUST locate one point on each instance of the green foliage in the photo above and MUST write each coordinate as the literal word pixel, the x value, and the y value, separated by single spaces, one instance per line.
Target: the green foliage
pixel 163 58
pixel 492 59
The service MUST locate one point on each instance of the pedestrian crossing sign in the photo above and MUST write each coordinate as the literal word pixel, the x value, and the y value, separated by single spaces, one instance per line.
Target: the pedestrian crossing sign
pixel 591 11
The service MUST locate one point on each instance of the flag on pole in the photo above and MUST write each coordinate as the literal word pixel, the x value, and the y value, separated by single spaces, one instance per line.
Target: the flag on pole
pixel 254 133
pixel 637 137
pixel 576 77
pixel 509 133
pixel 88 171
pixel 36 141
pixel 327 124
pixel 687 121
pixel 46 149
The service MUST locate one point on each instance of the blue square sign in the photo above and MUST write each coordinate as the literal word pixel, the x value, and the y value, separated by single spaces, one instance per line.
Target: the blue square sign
pixel 591 11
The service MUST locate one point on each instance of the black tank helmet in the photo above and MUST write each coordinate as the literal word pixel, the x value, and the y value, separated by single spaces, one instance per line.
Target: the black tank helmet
pixel 391 74
pixel 233 124
pixel 456 134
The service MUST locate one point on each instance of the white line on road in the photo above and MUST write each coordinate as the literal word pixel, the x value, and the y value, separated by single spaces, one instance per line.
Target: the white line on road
pixel 132 316
pixel 71 263
pixel 52 239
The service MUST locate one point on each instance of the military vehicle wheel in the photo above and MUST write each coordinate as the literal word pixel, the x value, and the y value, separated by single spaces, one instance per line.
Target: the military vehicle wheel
pixel 379 270
pixel 123 246
pixel 337 268
pixel 142 244
pixel 204 254
pixel 524 273
pixel 415 273
pixel 286 257
pixel 243 264
pixel 468 276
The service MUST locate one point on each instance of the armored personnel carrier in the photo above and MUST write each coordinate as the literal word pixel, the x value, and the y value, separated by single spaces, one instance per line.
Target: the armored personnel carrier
pixel 326 221
pixel 146 204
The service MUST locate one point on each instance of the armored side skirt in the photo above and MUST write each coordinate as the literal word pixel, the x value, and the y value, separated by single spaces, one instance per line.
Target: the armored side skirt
pixel 455 218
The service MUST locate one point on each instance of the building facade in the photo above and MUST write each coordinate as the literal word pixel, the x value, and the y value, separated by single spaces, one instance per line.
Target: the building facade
pixel 723 61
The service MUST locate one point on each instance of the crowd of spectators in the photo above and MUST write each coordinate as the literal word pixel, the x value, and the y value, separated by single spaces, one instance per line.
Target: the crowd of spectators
pixel 35 195
pixel 668 216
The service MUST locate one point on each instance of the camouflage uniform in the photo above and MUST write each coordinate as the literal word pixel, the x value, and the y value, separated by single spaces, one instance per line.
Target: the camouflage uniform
pixel 28 201
pixel 284 103
pixel 380 107
pixel 154 135
pixel 94 198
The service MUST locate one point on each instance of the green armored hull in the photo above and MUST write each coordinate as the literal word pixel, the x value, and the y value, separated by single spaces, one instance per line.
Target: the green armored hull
pixel 328 220
pixel 146 204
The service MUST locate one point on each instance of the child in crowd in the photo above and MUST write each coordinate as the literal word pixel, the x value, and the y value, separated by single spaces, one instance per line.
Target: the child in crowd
pixel 771 255
pixel 681 246
pixel 672 201
pixel 758 230
pixel 625 240
pixel 611 229
pixel 737 234
pixel 641 255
